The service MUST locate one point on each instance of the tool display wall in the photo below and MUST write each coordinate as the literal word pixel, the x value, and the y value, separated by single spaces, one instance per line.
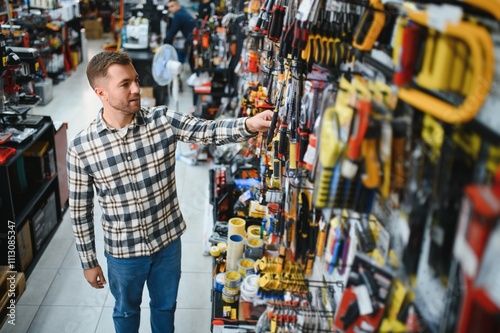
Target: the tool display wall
pixel 380 176
pixel 54 33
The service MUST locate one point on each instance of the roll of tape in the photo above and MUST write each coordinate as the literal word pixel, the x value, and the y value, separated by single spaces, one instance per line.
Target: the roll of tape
pixel 253 231
pixel 250 286
pixel 219 281
pixel 234 252
pixel 222 246
pixel 272 251
pixel 214 251
pixel 230 299
pixel 245 266
pixel 254 248
pixel 236 226
pixel 231 291
pixel 232 279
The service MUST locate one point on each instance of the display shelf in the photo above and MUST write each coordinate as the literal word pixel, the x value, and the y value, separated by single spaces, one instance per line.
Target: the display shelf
pixel 26 206
pixel 34 207
pixel 218 309
pixel 20 148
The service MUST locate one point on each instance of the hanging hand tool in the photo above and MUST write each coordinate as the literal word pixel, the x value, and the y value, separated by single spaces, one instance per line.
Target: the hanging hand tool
pixel 263 19
pixel 330 150
pixel 416 203
pixel 372 176
pixel 364 233
pixel 276 22
pixel 274 120
pixel 487 121
pixel 320 241
pixel 448 191
pixel 302 226
pixel 308 52
pixel 286 40
pixel 285 115
pixel 360 125
pixel 482 61
pixel 307 14
pixel 336 249
pixel 400 129
pixel 345 251
pixel 386 136
pixel 369 27
pixel 332 55
pixel 303 127
pixel 312 236
pixel 276 178
pixel 407 42
pixel 492 7
pixel 436 69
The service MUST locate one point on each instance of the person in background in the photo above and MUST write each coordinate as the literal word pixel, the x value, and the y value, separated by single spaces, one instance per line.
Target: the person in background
pixel 206 10
pixel 184 22
pixel 126 157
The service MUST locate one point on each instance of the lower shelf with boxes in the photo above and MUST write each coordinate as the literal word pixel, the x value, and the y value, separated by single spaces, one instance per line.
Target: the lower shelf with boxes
pixel 33 196
pixel 12 286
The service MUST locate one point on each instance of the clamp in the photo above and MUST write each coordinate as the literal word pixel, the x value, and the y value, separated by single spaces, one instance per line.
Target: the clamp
pixel 482 58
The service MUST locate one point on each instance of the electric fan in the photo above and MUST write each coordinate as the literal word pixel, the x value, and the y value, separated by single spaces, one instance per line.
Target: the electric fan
pixel 166 70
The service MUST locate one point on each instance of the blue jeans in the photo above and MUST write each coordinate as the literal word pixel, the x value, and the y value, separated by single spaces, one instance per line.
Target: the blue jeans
pixel 161 271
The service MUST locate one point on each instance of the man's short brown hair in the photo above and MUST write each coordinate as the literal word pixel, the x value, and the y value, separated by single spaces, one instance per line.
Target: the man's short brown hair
pixel 99 64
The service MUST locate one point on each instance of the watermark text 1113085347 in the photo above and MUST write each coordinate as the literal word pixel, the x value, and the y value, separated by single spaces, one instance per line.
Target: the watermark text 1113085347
pixel 11 241
pixel 11 274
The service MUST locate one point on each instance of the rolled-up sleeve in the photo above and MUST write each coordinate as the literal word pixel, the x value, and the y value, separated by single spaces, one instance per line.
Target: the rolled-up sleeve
pixel 191 129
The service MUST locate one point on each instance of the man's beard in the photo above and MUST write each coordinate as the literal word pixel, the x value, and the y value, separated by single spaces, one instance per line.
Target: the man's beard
pixel 126 107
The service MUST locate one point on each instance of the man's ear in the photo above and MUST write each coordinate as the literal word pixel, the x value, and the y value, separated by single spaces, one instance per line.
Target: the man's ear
pixel 101 93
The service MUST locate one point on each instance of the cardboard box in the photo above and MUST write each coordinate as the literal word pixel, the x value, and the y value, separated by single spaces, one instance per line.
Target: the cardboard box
pixel 93 34
pixel 20 287
pixel 147 97
pixel 24 246
pixel 38 226
pixel 34 161
pixel 46 4
pixel 147 92
pixel 93 28
pixel 4 285
pixel 93 24
pixel 44 220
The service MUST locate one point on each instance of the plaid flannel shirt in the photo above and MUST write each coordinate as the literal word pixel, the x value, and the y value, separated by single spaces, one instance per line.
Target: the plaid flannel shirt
pixel 132 172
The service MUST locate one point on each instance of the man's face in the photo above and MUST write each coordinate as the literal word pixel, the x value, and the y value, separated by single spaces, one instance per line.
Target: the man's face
pixel 120 89
pixel 173 7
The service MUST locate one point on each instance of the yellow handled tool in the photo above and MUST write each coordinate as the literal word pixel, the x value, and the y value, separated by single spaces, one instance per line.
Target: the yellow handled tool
pixel 490 6
pixel 369 27
pixel 438 60
pixel 482 61
pixel 331 148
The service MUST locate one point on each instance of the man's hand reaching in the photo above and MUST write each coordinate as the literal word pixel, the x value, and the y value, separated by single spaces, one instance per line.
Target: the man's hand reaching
pixel 260 122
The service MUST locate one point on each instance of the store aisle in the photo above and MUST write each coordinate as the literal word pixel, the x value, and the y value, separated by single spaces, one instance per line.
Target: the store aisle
pixel 57 297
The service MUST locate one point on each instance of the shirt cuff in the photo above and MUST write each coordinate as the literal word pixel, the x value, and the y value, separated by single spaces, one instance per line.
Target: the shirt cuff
pixel 247 132
pixel 89 262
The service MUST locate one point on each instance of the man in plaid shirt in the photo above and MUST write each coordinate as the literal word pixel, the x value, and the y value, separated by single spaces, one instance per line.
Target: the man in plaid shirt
pixel 127 157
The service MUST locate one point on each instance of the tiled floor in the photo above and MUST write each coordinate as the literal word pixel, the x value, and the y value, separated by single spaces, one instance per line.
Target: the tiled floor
pixel 57 297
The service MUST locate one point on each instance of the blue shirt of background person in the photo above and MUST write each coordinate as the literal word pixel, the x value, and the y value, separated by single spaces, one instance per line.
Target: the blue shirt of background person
pixel 181 21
